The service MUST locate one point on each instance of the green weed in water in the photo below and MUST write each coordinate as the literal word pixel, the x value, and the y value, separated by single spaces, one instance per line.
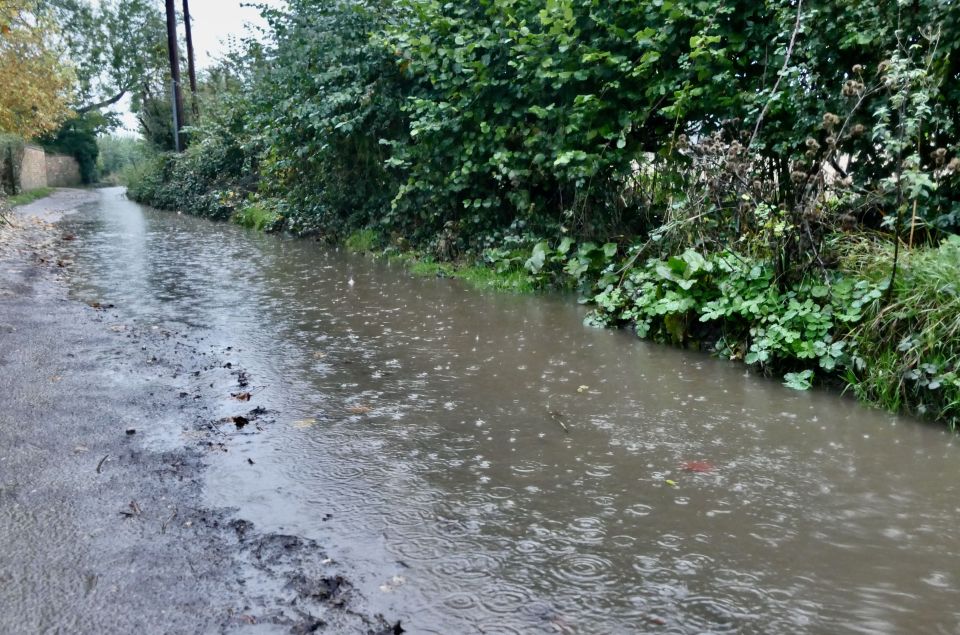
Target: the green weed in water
pixel 257 216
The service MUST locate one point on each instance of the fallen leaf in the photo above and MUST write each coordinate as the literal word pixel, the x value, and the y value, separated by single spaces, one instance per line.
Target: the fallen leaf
pixel 359 410
pixel 134 510
pixel 239 421
pixel 698 467
pixel 304 423
pixel 582 388
pixel 670 483
pixel 241 396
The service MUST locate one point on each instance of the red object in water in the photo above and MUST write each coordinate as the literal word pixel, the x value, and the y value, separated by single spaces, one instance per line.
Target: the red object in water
pixel 698 466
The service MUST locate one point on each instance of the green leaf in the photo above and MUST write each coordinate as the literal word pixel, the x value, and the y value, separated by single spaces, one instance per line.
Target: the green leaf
pixel 535 262
pixel 799 381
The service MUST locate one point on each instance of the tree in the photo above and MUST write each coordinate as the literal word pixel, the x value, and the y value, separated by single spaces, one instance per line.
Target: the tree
pixel 34 84
pixel 114 47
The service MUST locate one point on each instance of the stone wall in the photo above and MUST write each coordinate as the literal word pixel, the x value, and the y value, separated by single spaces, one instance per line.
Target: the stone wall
pixel 33 168
pixel 62 171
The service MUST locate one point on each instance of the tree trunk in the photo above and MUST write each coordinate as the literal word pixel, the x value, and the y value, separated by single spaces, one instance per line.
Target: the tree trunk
pixel 174 71
pixel 191 70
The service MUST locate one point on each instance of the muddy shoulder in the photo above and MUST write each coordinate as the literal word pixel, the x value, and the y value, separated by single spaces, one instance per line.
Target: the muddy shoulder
pixel 105 430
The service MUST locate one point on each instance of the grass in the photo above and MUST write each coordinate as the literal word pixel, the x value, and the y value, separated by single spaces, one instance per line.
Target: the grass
pixel 29 196
pixel 911 347
pixel 257 216
pixel 362 241
pixel 477 276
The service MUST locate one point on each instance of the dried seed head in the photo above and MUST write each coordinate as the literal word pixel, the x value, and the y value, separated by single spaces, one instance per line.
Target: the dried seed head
pixel 848 222
pixel 954 166
pixel 857 130
pixel 832 141
pixel 858 69
pixel 798 177
pixel 830 120
pixel 812 143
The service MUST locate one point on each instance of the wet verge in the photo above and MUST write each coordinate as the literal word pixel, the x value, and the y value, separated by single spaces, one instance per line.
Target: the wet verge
pixel 105 429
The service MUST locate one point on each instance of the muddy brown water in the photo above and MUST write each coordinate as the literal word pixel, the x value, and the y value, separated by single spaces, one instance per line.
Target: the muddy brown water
pixel 415 431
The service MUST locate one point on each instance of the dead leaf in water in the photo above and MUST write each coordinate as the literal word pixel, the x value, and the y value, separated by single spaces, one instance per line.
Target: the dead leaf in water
pixel 304 423
pixel 134 510
pixel 698 467
pixel 241 396
pixel 239 421
pixel 359 409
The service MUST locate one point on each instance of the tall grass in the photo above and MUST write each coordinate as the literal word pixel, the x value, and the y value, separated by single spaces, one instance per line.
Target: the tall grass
pixel 909 351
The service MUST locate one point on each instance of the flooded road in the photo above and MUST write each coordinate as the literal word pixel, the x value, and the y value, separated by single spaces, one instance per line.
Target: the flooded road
pixel 483 463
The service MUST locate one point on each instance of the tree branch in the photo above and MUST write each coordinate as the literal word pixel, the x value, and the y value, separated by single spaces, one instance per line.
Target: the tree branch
pixel 783 69
pixel 102 104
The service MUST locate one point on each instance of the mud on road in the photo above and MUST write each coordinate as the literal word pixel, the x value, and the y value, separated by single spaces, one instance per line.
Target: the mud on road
pixel 105 429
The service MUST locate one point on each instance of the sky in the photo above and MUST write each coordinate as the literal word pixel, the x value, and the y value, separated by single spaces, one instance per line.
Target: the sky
pixel 213 21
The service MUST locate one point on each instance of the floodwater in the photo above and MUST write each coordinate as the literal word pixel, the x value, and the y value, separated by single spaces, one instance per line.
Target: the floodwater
pixel 418 433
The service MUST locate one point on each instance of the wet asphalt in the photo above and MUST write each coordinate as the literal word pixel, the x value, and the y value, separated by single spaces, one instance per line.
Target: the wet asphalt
pixel 102 523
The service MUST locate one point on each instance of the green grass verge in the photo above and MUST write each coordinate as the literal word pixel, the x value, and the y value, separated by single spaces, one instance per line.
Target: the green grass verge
pixel 477 276
pixel 911 348
pixel 29 196
pixel 362 241
pixel 257 216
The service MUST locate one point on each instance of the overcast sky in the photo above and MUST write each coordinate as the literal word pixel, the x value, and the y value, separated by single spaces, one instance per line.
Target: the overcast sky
pixel 215 20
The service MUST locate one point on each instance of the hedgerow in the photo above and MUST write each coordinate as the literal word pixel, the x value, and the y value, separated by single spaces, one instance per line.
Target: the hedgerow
pixel 700 170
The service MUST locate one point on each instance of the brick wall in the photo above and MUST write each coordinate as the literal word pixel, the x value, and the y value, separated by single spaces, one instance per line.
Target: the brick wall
pixel 33 169
pixel 62 171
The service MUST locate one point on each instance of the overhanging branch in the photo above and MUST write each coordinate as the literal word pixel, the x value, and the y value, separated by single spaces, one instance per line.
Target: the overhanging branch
pixel 102 104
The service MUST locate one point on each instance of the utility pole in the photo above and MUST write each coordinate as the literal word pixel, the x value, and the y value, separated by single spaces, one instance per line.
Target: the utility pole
pixel 174 73
pixel 191 71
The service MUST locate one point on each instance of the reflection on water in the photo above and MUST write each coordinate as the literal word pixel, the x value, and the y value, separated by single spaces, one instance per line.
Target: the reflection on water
pixel 418 434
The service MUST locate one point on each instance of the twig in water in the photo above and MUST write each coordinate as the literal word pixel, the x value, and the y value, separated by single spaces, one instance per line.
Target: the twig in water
pixel 556 416
pixel 100 464
pixel 163 525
